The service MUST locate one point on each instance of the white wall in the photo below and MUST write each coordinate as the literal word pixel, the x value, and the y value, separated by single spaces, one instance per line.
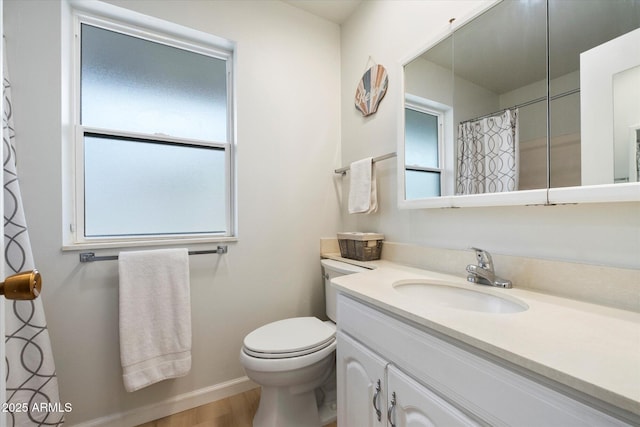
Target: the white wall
pixel 287 77
pixel 392 31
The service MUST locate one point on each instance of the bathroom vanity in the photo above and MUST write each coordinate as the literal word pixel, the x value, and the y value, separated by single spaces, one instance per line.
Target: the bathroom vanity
pixel 412 359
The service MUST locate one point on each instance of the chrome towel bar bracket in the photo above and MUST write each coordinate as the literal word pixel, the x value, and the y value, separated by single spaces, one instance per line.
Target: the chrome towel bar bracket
pixel 91 256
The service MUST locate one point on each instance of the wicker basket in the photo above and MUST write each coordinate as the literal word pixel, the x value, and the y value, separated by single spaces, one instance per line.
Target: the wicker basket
pixel 360 246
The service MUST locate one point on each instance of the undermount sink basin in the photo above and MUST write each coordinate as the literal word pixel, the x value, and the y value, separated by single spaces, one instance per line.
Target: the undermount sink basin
pixel 460 298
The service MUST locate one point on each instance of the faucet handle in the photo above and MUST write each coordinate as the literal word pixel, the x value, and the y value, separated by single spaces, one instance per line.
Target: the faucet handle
pixel 484 258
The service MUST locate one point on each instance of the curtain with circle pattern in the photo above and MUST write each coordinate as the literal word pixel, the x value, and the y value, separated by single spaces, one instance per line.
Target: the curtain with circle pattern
pixel 488 160
pixel 31 383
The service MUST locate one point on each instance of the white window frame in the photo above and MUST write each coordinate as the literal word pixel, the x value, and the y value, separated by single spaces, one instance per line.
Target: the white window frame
pixel 424 108
pixel 155 30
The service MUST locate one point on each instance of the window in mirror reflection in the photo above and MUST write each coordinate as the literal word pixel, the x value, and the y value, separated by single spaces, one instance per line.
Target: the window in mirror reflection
pixel 423 145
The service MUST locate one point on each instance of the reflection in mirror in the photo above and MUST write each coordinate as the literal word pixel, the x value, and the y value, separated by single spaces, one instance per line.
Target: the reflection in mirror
pixel 634 157
pixel 490 93
pixel 491 82
pixel 500 93
pixel 608 92
pixel 626 126
pixel 422 150
pixel 429 162
pixel 576 27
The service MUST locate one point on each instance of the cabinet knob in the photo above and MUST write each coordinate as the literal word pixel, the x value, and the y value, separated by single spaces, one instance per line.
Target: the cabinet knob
pixel 376 399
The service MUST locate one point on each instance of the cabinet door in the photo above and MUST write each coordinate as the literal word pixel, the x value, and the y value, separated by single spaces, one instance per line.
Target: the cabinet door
pixel 361 385
pixel 413 405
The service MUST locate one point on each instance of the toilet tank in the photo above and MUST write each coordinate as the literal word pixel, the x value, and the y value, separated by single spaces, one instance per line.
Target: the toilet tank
pixel 331 269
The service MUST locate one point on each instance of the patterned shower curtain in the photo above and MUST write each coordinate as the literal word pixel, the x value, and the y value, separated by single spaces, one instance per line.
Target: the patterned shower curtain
pixel 32 386
pixel 488 160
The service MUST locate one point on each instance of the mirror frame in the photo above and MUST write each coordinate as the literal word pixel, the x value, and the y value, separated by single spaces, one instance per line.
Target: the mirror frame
pixel 604 193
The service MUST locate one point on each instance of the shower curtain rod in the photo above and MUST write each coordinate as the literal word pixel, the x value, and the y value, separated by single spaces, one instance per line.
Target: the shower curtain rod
pixel 91 256
pixel 524 104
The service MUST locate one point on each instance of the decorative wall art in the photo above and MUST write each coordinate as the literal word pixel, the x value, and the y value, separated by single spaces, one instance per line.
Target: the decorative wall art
pixel 371 90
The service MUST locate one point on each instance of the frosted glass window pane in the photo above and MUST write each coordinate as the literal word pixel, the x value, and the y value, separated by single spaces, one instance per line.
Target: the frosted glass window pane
pixel 421 184
pixel 137 188
pixel 421 139
pixel 136 85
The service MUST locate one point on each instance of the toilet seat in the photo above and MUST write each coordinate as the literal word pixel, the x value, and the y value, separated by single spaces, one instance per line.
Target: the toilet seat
pixel 287 355
pixel 288 338
pixel 288 365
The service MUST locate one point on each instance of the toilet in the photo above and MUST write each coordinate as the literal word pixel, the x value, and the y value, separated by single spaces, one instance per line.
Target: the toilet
pixel 293 360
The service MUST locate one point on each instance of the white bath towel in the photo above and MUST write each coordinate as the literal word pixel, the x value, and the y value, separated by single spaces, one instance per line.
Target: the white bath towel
pixel 155 316
pixel 363 197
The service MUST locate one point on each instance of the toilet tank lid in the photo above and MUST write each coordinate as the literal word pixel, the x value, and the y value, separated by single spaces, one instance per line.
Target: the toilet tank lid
pixel 342 267
pixel 290 335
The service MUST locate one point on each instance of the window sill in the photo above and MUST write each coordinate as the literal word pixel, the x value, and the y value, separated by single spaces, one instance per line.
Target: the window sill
pixel 146 243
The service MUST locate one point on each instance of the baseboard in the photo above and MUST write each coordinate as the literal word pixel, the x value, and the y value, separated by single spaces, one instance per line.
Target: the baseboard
pixel 173 405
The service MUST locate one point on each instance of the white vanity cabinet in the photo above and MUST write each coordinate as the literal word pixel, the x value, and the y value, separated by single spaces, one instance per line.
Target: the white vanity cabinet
pixel 438 381
pixel 373 392
pixel 362 385
pixel 413 405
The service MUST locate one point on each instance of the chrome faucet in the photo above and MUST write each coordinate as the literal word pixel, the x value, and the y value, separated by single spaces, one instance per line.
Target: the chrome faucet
pixel 483 273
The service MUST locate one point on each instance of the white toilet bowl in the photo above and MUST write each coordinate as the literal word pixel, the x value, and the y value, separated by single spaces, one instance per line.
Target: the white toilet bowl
pixel 291 359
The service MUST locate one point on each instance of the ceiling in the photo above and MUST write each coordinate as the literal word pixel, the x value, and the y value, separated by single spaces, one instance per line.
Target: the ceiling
pixel 337 11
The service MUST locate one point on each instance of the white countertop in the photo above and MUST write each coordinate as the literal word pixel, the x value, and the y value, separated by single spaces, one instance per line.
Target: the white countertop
pixel 588 347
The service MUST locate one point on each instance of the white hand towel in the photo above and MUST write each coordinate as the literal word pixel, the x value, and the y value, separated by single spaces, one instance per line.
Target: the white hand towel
pixel 363 197
pixel 155 316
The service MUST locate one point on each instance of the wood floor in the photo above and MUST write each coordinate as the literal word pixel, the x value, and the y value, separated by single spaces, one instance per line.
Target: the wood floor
pixel 234 411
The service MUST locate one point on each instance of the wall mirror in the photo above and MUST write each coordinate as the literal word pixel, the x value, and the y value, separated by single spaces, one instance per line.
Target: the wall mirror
pixel 510 107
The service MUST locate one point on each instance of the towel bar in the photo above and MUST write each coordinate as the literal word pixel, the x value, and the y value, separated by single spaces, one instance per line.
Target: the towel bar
pixel 91 256
pixel 344 170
